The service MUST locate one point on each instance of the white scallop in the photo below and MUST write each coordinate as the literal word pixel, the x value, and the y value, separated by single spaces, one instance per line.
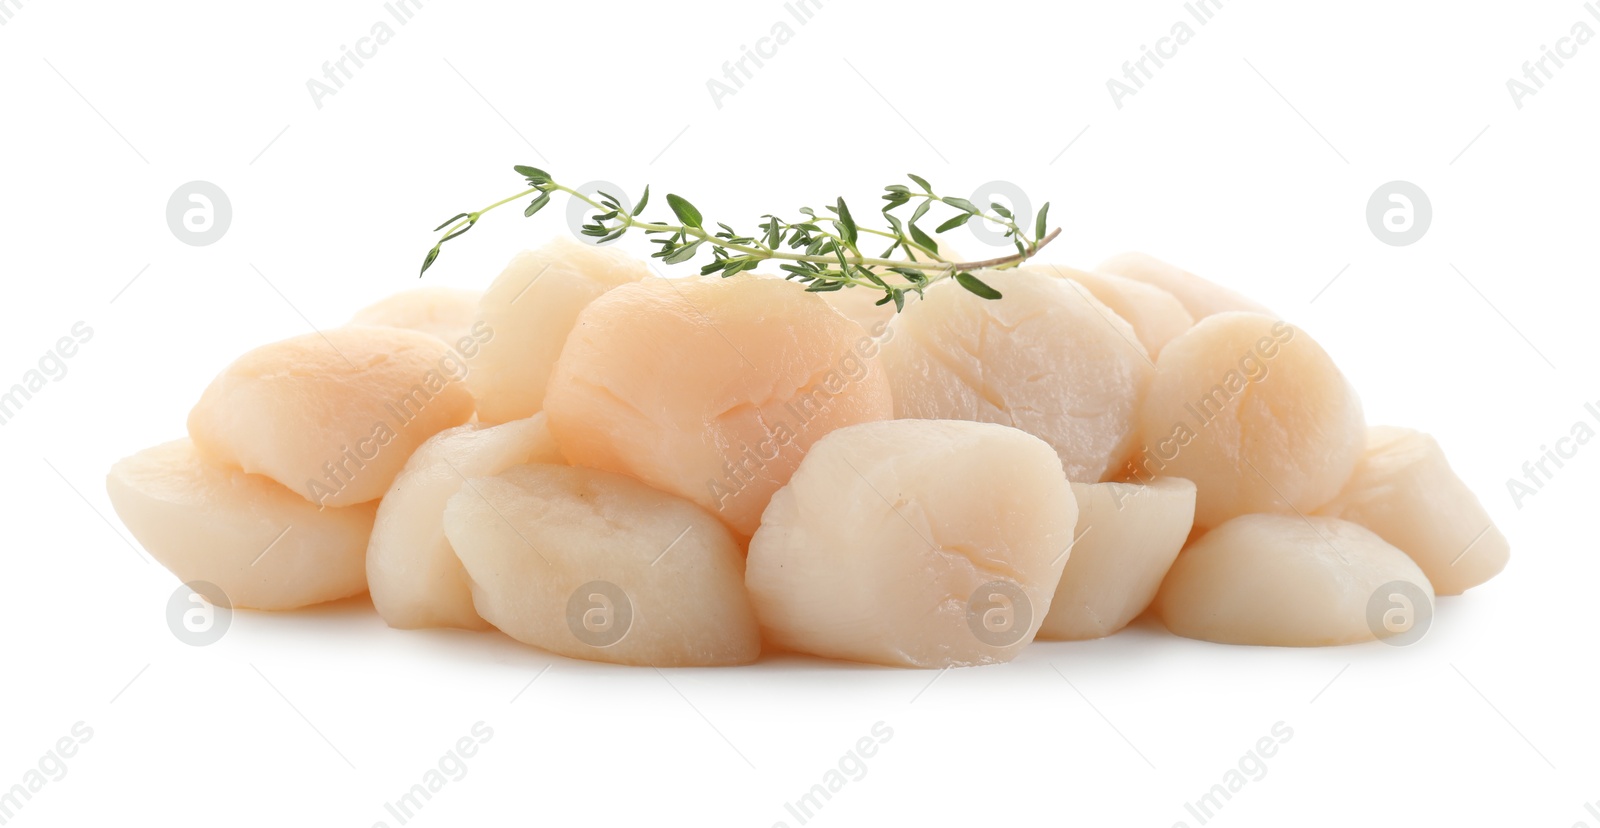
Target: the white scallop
pixel 1285 581
pixel 444 312
pixel 1404 489
pixel 415 577
pixel 1047 358
pixel 536 539
pixel 1127 537
pixel 528 311
pixel 1201 297
pixel 265 546
pixel 894 539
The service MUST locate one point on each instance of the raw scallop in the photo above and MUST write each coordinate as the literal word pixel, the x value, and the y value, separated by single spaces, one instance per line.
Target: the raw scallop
pixel 1404 490
pixel 331 415
pixel 1127 537
pixel 1048 358
pixel 914 543
pixel 711 389
pixel 265 546
pixel 444 312
pixel 598 566
pixel 1202 298
pixel 1255 413
pixel 1155 315
pixel 415 577
pixel 530 308
pixel 861 304
pixel 1285 581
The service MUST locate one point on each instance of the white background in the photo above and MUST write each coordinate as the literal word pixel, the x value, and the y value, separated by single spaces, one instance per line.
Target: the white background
pixel 1249 158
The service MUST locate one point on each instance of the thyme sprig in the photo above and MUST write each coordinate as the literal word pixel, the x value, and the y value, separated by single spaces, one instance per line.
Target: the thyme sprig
pixel 823 251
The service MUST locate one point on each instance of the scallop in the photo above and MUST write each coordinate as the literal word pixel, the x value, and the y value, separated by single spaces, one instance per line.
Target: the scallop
pixel 530 308
pixel 1253 411
pixel 1202 298
pixel 861 304
pixel 414 575
pixel 444 312
pixel 266 547
pixel 711 389
pixel 331 415
pixel 1155 315
pixel 594 565
pixel 1126 539
pixel 1047 358
pixel 1289 581
pixel 1404 490
pixel 914 543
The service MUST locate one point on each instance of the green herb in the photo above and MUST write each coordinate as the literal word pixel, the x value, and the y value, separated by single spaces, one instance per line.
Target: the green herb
pixel 822 253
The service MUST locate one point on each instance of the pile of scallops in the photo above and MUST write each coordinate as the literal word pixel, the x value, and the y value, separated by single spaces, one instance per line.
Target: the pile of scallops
pixel 617 466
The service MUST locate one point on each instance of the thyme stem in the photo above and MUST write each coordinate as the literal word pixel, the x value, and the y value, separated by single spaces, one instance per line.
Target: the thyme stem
pixel 823 260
